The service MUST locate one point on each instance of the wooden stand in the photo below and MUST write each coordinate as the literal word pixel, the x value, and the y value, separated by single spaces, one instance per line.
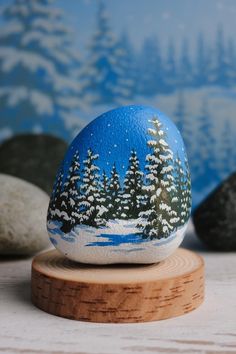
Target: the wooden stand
pixel 118 293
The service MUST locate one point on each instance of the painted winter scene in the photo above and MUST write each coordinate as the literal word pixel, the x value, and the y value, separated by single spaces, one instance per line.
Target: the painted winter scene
pixel 64 62
pixel 122 193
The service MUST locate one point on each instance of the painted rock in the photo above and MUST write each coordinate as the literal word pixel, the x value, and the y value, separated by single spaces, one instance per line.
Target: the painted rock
pixel 122 193
pixel 215 218
pixel 23 210
pixel 33 157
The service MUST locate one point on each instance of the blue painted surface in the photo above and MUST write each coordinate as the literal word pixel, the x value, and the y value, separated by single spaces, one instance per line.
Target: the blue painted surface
pixel 115 133
pixel 117 240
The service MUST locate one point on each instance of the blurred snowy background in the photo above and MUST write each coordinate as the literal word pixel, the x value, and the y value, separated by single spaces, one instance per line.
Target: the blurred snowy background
pixel 64 62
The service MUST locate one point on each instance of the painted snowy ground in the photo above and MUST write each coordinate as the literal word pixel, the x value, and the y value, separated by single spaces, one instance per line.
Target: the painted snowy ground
pixel 119 242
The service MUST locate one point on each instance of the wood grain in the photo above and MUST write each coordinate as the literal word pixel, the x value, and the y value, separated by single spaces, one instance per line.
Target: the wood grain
pixel 118 293
pixel 209 329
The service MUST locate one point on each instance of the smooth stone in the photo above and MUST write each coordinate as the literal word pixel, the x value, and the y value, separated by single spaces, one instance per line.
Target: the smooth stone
pixel 23 209
pixel 33 157
pixel 215 218
pixel 122 193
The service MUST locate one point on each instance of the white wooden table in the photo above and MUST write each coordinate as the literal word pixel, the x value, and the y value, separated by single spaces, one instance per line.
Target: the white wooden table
pixel 209 329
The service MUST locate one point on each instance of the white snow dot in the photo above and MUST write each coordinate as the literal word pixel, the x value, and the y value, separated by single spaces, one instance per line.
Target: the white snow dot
pixel 126 131
pixel 182 149
pixel 127 139
pixel 108 124
pixel 176 141
pixel 91 134
pixel 109 152
pixel 115 145
pixel 167 128
pixel 107 163
pixel 123 166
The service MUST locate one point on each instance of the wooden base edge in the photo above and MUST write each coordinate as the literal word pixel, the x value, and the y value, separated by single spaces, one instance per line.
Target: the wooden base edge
pixel 118 293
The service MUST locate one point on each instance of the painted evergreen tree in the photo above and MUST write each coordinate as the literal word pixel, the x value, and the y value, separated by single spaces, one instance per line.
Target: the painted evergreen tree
pixel 57 189
pixel 104 74
pixel 183 191
pixel 188 192
pixel 114 190
pixel 67 201
pixel 90 206
pixel 160 218
pixel 37 90
pixel 132 197
pixel 104 193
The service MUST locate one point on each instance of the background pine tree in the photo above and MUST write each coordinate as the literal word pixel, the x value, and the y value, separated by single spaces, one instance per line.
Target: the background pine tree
pixel 185 76
pixel 151 80
pixel 105 80
pixel 37 83
pixel 204 168
pixel 219 68
pixel 202 63
pixel 170 67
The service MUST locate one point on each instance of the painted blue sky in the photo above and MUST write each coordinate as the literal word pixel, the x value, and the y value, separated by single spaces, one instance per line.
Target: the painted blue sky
pixel 115 133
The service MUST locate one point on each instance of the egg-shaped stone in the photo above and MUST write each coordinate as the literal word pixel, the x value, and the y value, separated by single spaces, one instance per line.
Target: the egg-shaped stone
pixel 122 193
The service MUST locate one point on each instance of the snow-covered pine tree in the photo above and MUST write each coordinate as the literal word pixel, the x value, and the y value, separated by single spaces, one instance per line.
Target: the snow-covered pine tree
pixel 219 65
pixel 104 193
pixel 104 73
pixel 185 125
pixel 202 64
pixel 204 166
pixel 37 90
pixel 170 67
pixel 132 197
pixel 188 191
pixel 91 209
pixel 114 195
pixel 225 162
pixel 151 80
pixel 183 191
pixel 57 188
pixel 67 201
pixel 185 78
pixel 159 219
pixel 231 62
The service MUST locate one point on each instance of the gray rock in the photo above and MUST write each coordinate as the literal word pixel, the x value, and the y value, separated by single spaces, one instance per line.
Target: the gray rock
pixel 34 158
pixel 23 209
pixel 215 217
